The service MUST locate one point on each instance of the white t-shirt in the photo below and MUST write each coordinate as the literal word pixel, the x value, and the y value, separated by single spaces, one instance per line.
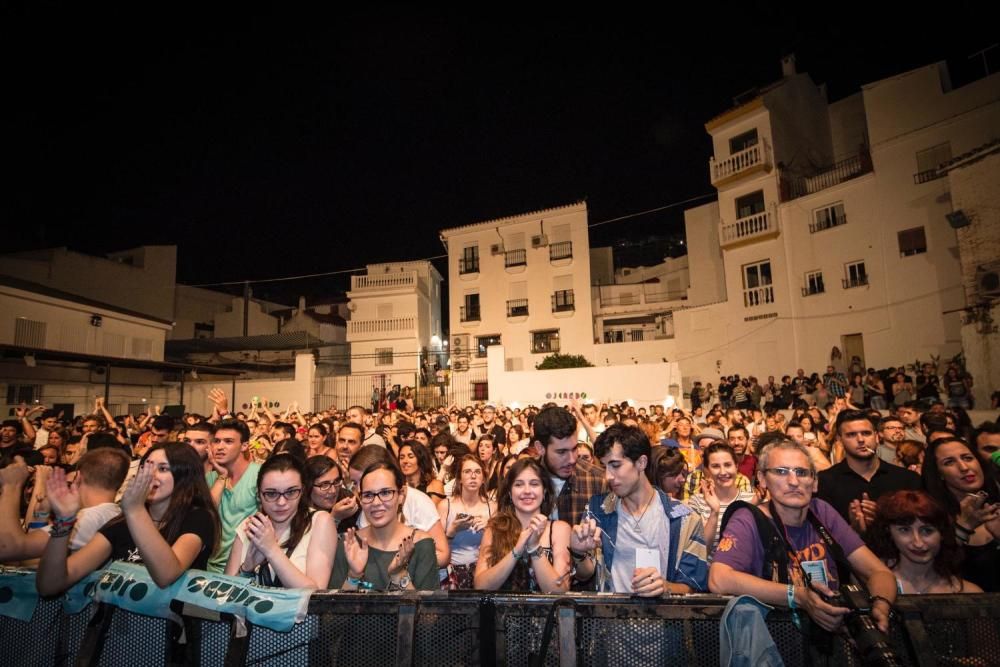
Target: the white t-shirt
pixel 419 511
pixel 88 521
pixel 652 532
pixel 557 486
pixel 299 553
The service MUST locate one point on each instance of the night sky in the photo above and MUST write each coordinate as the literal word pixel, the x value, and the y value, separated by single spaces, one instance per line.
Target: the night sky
pixel 266 150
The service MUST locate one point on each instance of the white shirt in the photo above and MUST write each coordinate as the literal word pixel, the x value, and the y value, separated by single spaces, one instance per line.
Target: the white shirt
pixel 89 520
pixel 653 532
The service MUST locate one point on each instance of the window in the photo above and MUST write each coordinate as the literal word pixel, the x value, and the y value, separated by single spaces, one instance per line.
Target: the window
pixel 912 242
pixel 545 342
pixel 562 301
pixel 29 333
pixel 483 342
pixel 758 289
pixel 750 204
pixel 383 356
pixel 469 261
pixel 480 391
pixel 741 142
pixel 23 393
pixel 470 311
pixel 827 217
pixel 814 283
pixel 928 161
pixel 517 307
pixel 856 275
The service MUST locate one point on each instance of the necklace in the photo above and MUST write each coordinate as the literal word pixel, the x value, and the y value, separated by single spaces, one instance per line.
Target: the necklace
pixel 645 507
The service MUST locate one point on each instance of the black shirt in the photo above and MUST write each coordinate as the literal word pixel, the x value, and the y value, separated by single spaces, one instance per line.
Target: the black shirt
pixel 198 521
pixel 840 485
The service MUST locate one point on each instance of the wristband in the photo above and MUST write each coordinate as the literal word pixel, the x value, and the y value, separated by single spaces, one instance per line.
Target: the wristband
pixel 790 596
pixel 517 556
pixel 35 525
pixel 249 574
pixel 534 552
pixel 959 528
pixel 876 598
pixel 62 527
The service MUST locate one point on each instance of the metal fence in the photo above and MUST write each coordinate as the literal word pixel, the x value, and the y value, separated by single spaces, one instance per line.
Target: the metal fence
pixel 472 628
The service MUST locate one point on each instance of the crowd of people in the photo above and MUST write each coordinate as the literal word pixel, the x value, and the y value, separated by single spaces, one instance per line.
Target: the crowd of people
pixel 783 500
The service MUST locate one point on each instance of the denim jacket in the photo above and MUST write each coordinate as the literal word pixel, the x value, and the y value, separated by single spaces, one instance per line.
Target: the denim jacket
pixel 687 557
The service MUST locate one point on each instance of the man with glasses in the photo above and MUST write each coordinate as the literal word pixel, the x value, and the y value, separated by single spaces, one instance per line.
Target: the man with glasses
pixel 891 432
pixel 853 485
pixel 807 551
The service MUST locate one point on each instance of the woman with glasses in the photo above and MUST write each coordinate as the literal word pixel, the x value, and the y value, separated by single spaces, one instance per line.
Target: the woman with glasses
pixel 286 544
pixel 386 554
pixel 326 479
pixel 168 523
pixel 464 516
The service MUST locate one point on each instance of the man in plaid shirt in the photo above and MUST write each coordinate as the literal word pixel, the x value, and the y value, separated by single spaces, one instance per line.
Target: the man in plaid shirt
pixel 574 480
pixel 835 381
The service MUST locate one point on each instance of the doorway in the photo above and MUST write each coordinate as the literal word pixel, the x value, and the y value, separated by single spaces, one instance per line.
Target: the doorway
pixel 853 345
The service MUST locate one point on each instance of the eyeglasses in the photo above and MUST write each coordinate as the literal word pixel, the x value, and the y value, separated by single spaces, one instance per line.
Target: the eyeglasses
pixel 270 495
pixel 803 473
pixel 384 495
pixel 330 484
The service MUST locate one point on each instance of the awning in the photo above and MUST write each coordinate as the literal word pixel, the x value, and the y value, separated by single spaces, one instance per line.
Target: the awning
pixel 12 352
pixel 292 340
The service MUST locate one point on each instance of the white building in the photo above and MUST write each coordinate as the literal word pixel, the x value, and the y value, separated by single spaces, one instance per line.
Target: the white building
pixel 831 221
pixel 395 324
pixel 522 282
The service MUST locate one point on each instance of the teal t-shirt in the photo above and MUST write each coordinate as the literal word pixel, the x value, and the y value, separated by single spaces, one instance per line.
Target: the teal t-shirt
pixel 237 504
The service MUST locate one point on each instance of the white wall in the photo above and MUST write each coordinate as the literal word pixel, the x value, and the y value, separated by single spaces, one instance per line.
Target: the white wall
pixel 300 389
pixel 707 272
pixel 645 384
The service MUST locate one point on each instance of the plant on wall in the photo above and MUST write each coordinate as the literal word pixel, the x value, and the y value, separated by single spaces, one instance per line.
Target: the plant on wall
pixel 563 361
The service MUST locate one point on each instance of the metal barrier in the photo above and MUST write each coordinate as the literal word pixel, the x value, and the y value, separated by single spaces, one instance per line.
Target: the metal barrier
pixel 444 629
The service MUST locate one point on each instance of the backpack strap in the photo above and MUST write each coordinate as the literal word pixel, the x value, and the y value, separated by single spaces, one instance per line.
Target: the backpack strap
pixel 775 553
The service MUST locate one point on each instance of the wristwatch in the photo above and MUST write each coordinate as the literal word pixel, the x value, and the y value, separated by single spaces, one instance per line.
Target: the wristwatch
pixel 404 581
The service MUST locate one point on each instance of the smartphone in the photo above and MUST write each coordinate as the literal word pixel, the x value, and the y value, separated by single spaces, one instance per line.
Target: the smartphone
pixel 461 515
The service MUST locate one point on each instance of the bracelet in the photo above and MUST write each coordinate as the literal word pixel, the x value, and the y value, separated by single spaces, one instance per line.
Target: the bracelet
pixel 577 557
pixel 356 582
pixel 959 528
pixel 534 552
pixel 62 527
pixel 35 525
pixel 790 596
pixel 249 574
pixel 517 556
pixel 876 598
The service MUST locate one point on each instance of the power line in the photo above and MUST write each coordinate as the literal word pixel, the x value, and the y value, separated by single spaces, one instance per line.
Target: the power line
pixel 652 210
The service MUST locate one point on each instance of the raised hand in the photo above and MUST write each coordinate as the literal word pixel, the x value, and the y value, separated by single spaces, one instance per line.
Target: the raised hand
pixel 64 499
pixel 260 530
pixel 137 491
pixel 402 557
pixel 539 523
pixel 356 551
pixel 708 492
pixel 15 474
pixel 219 400
pixel 585 536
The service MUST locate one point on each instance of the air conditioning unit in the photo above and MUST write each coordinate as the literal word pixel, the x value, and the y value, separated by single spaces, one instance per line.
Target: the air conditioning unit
pixel 539 241
pixel 988 280
pixel 496 249
pixel 460 344
pixel 459 365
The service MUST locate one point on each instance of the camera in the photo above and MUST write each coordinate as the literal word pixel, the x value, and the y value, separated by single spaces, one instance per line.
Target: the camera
pixel 872 643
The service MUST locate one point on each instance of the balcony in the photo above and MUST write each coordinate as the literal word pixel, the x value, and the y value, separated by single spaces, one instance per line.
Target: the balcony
pixel 562 301
pixel 758 296
pixel 386 281
pixel 813 289
pixel 468 265
pixel 517 308
pixel 513 258
pixel 396 327
pixel 753 227
pixel 927 176
pixel 748 161
pixel 793 186
pixel 469 313
pixel 561 250
pixel 829 223
pixel 856 281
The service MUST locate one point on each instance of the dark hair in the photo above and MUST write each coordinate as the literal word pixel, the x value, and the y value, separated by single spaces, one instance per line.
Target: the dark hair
pixel 357 427
pixel 902 508
pixel 98 440
pixel 404 430
pixel 49 413
pixel 324 431
pixel 425 460
pixel 845 416
pixel 456 473
pixel 104 468
pixel 234 425
pixel 633 441
pixel 888 419
pixel 397 474
pixel 505 526
pixel 770 437
pixel 201 425
pixel 739 427
pixel 933 421
pixel 163 423
pixel 934 483
pixel 553 422
pixel 430 436
pixel 319 465
pixel 716 448
pixel 368 456
pixel 290 446
pixel 302 519
pixel 190 491
pixel 11 423
pixel 667 462
pixel 288 429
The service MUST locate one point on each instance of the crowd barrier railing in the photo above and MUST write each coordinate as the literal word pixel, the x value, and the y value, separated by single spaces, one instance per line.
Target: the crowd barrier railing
pixel 472 628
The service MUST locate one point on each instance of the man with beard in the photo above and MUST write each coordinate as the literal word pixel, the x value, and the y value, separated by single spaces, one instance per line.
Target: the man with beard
pixel 853 485
pixel 574 481
pixel 491 428
pixel 891 432
pixel 746 462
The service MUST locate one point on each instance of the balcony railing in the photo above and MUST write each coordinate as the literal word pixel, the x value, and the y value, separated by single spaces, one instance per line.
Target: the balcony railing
pixel 812 289
pixel 752 226
pixel 757 155
pixel 562 301
pixel 468 265
pixel 381 326
pixel 469 313
pixel 561 250
pixel 829 223
pixel 927 176
pixel 758 296
pixel 794 186
pixel 383 281
pixel 517 307
pixel 515 258
pixel 857 281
